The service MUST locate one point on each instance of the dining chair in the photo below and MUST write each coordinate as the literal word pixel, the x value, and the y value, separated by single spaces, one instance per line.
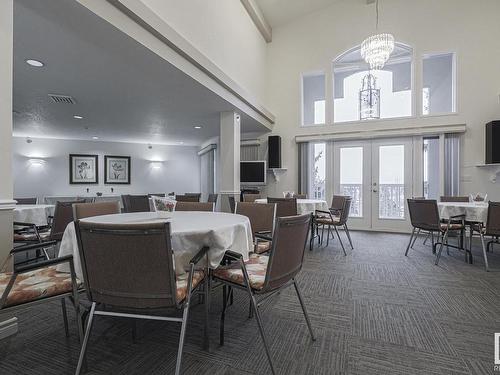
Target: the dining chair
pixel 336 216
pixel 492 228
pixel 150 195
pixel 197 195
pixel 212 198
pixel 427 234
pixel 424 215
pixel 232 203
pixel 83 210
pixel 263 276
pixel 262 217
pixel 187 198
pixel 300 196
pixel 125 279
pixel 38 283
pixel 136 203
pixel 22 201
pixel 284 206
pixel 194 206
pixel 250 198
pixel 450 198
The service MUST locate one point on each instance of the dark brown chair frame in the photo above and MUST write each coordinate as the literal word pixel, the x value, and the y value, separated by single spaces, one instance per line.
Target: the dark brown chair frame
pixel 271 286
pixel 341 206
pixel 492 229
pixel 284 206
pixel 136 203
pixel 23 201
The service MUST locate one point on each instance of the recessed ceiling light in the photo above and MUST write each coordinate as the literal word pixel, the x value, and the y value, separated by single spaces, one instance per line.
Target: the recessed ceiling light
pixel 35 63
pixel 197 127
pixel 78 117
pixel 94 137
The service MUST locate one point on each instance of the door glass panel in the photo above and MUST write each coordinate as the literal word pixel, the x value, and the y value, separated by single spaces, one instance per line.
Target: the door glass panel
pixel 391 182
pixel 351 177
pixel 319 171
pixel 431 168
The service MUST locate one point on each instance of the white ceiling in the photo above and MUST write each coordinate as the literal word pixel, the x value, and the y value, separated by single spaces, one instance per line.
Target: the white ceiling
pixel 124 91
pixel 280 12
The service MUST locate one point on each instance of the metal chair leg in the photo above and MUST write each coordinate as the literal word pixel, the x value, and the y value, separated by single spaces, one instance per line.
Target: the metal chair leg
pixel 207 310
pixel 225 298
pixel 328 236
pixel 409 243
pixel 484 253
pixel 306 316
pixel 181 338
pixel 445 239
pixel 65 316
pixel 415 238
pixel 85 340
pixel 348 235
pixel 340 240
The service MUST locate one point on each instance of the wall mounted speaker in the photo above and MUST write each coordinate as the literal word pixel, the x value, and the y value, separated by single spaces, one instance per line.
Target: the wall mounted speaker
pixel 274 151
pixel 492 143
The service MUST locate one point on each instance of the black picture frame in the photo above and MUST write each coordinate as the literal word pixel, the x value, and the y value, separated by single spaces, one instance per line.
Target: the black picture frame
pixel 124 164
pixel 78 175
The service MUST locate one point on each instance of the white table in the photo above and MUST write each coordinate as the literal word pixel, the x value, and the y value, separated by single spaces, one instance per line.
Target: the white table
pixel 191 230
pixel 33 213
pixel 305 206
pixel 473 211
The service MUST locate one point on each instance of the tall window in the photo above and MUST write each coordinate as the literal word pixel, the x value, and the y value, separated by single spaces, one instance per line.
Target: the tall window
pixel 351 177
pixel 361 94
pixel 319 171
pixel 438 95
pixel 313 99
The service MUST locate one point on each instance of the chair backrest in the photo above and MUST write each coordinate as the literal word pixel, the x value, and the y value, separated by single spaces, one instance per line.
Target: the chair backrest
pixel 284 206
pixel 493 221
pixel 287 251
pixel 249 197
pixel 63 215
pixel 187 198
pixel 197 195
pixel 26 200
pixel 424 214
pixel 261 216
pixel 156 195
pixel 338 202
pixel 120 271
pixel 54 200
pixel 194 206
pixel 344 213
pixel 83 210
pixel 445 198
pixel 232 203
pixel 300 196
pixel 136 203
pixel 212 198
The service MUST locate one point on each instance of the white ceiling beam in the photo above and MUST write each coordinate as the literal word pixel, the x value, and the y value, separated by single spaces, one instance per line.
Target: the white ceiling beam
pixel 258 19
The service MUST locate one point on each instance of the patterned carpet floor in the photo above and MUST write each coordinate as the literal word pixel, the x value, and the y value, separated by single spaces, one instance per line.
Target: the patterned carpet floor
pixel 374 311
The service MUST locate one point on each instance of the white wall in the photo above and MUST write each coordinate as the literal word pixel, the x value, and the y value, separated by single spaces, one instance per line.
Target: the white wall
pixel 179 172
pixel 223 31
pixel 470 28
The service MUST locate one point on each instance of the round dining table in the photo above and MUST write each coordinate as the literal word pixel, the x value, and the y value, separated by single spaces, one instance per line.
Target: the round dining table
pixel 305 206
pixel 190 231
pixel 33 213
pixel 476 212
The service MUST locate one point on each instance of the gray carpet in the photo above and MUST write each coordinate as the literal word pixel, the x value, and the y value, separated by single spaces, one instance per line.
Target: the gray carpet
pixel 374 312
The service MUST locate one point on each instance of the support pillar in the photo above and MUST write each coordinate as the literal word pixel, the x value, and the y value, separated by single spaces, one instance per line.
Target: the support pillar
pixel 229 157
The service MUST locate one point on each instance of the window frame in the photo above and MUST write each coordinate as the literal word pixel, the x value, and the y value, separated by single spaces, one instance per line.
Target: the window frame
pixel 454 84
pixel 312 73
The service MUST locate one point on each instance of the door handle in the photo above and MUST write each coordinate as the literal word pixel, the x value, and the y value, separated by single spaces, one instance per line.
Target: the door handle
pixel 375 190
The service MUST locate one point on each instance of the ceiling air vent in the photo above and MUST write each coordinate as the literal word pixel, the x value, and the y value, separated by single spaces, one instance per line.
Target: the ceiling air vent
pixel 62 99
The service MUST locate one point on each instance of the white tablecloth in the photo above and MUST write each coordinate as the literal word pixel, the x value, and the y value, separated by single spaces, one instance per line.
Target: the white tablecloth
pixel 305 206
pixel 33 213
pixel 473 211
pixel 190 232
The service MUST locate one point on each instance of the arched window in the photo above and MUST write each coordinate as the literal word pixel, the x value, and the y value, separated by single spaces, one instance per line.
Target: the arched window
pixel 361 94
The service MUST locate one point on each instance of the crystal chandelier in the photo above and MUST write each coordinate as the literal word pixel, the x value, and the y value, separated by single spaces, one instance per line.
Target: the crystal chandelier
pixel 377 48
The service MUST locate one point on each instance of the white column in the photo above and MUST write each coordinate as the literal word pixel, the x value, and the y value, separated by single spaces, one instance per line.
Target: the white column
pixel 7 327
pixel 6 202
pixel 229 158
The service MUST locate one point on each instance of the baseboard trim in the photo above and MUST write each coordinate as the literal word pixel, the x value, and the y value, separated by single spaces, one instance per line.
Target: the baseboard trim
pixel 8 328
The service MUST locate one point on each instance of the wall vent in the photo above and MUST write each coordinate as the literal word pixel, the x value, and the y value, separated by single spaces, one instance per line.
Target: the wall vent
pixel 62 99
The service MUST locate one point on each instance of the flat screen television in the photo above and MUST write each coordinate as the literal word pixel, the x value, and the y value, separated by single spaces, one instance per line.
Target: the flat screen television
pixel 253 173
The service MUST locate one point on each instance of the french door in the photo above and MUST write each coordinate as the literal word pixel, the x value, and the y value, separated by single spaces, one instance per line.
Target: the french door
pixel 377 174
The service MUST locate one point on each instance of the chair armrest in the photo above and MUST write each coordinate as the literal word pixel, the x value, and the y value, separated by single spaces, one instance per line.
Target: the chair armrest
pixel 263 236
pixel 199 255
pixel 322 212
pixel 35 246
pixel 43 264
pixel 21 224
pixel 232 254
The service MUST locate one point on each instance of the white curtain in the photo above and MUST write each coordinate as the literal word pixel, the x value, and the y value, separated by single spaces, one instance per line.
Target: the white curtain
pixel 451 164
pixel 249 152
pixel 207 170
pixel 304 168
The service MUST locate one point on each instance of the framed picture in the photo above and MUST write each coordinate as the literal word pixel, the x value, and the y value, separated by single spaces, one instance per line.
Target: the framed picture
pixel 116 169
pixel 83 169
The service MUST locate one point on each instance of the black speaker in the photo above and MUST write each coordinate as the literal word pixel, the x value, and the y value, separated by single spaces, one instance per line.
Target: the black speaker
pixel 492 143
pixel 274 151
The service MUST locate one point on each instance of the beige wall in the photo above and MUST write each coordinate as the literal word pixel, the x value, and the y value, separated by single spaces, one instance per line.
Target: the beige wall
pixel 222 31
pixel 5 127
pixel 469 28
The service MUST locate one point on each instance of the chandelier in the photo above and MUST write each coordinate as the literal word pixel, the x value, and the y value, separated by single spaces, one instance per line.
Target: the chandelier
pixel 377 48
pixel 369 98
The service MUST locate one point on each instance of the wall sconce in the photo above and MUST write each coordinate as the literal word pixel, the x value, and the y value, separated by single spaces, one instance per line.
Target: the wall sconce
pixel 156 164
pixel 36 162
